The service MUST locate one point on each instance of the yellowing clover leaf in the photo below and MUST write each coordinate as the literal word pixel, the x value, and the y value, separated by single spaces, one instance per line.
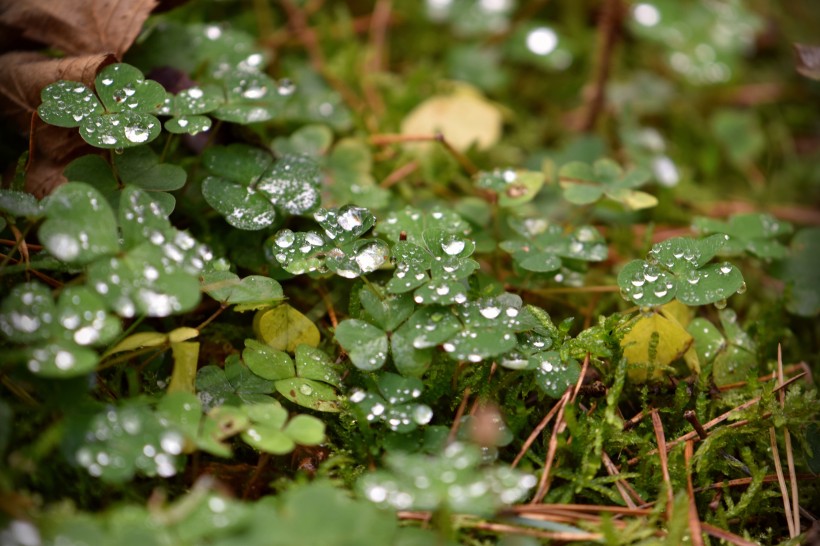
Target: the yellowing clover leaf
pixel 584 184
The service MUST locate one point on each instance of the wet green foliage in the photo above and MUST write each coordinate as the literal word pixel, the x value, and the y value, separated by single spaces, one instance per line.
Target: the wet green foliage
pixel 419 302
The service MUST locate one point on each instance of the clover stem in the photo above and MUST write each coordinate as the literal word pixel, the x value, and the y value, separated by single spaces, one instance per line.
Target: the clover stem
pixel 167 147
pixel 114 171
pixel 126 333
pixel 373 288
pixel 19 239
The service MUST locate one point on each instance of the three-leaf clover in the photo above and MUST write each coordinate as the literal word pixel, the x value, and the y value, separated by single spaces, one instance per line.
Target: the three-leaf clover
pixel 59 336
pixel 513 187
pixel 584 184
pixel 250 189
pixel 545 244
pixel 339 249
pixel 679 268
pixel 121 117
pixel 755 233
pixel 454 480
pixel 733 356
pixel 394 403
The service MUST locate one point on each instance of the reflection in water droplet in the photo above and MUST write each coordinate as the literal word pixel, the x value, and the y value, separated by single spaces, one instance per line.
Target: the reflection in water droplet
pixel 453 247
pixel 306 389
pixel 136 134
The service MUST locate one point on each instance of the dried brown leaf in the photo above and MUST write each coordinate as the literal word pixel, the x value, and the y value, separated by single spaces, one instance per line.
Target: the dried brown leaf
pixel 79 27
pixel 24 74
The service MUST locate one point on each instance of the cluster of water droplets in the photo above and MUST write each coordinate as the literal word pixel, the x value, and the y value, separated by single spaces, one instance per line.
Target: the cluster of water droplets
pixel 67 103
pixel 395 405
pixel 120 441
pixel 454 479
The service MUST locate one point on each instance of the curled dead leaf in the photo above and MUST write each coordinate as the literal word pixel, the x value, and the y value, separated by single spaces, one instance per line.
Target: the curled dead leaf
pixel 79 27
pixel 23 74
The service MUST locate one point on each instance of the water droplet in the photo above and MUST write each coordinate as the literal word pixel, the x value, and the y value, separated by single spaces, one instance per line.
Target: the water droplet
pixel 171 442
pixel 490 312
pixel 742 288
pixel 422 414
pixel 720 304
pixel 350 219
pixel 285 238
pixel 285 87
pixel 136 134
pixel 453 247
pixel 306 389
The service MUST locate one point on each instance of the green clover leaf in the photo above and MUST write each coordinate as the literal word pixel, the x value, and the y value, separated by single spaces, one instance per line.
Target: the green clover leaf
pixel 679 268
pixel 546 244
pixel 584 184
pixel 755 233
pixel 513 187
pixel 394 404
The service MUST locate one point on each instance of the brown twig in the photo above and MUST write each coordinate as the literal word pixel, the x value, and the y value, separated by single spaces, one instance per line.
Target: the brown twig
pixel 657 425
pixel 535 432
pixel 789 452
pixel 463 160
pixel 695 529
pixel 557 428
pixel 297 20
pixel 723 534
pixel 375 64
pixel 717 420
pixel 399 174
pixel 626 491
pixel 609 24
pixel 459 414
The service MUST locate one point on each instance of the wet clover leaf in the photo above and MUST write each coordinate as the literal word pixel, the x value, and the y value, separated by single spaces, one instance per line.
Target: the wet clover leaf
pixel 19 204
pixel 453 480
pixel 80 226
pixel 249 187
pixel 410 223
pixel 140 167
pixel 754 233
pixel 251 96
pixel 513 187
pixel 489 327
pixel 125 440
pixel 394 403
pixel 338 250
pixel 366 345
pixel 584 184
pixel 232 385
pixel 121 118
pixel 59 336
pixel 247 294
pixel 188 106
pixel 733 356
pixel 546 244
pixel 679 268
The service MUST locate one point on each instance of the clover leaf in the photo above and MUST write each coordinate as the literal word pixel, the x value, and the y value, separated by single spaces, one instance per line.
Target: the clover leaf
pixel 800 271
pixel 19 204
pixel 339 250
pixel 232 385
pixel 308 383
pixel 545 244
pixel 122 117
pixel 394 404
pixel 249 188
pixel 755 233
pixel 187 107
pixel 410 223
pixel 584 184
pixel 453 481
pixel 246 294
pixel 513 187
pixel 121 441
pixel 733 356
pixel 489 326
pixel 679 268
pixel 58 336
pixel 450 264
pixel 251 96
pixel 80 226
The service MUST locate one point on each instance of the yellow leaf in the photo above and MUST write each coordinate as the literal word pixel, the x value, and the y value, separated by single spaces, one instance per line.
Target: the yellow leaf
pixel 182 334
pixel 138 341
pixel 678 312
pixel 652 345
pixel 284 328
pixel 637 200
pixel 186 356
pixel 464 117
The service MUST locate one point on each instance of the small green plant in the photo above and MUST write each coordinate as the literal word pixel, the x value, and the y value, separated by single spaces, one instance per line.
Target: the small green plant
pixel 268 310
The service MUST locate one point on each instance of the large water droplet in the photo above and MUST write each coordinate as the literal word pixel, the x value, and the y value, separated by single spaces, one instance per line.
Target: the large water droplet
pixel 453 247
